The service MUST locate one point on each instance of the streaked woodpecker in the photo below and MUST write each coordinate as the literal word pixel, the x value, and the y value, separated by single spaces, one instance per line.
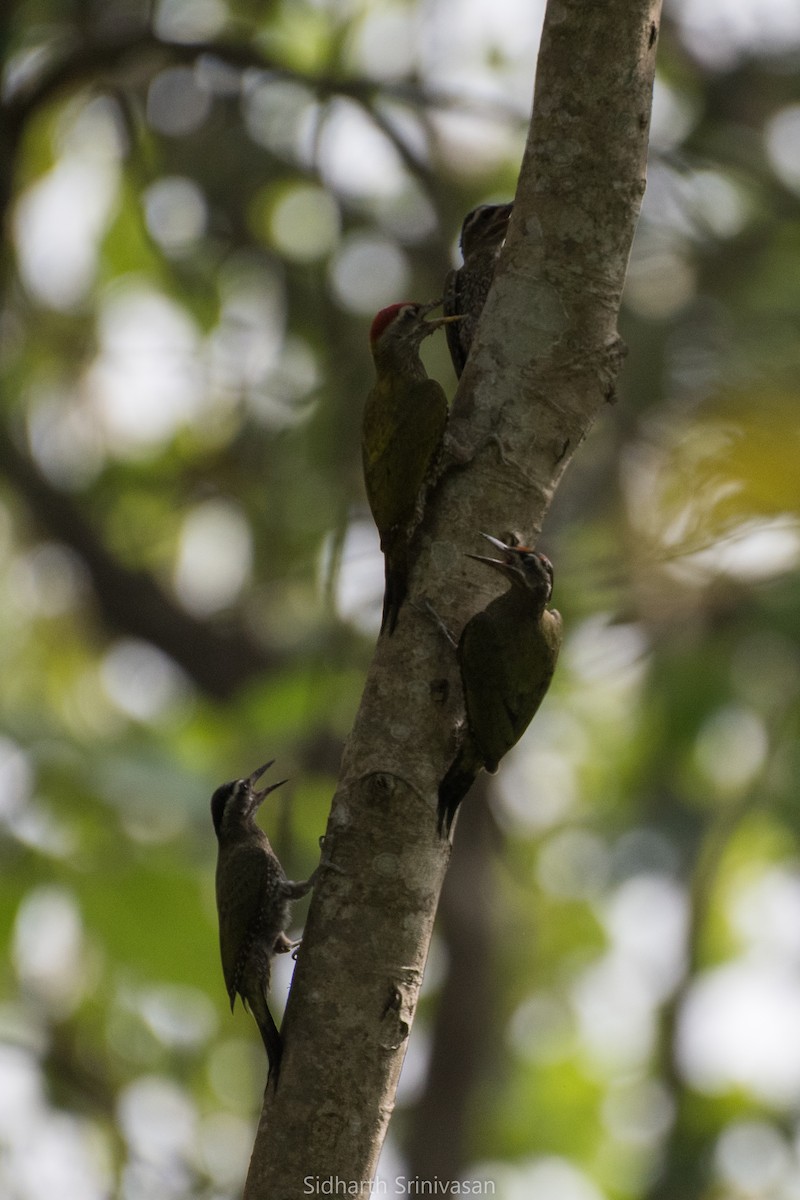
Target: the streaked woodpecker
pixel 465 289
pixel 404 419
pixel 253 896
pixel 507 655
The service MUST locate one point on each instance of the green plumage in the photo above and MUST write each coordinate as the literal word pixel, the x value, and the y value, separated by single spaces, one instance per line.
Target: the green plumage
pixel 507 663
pixel 404 419
pixel 507 655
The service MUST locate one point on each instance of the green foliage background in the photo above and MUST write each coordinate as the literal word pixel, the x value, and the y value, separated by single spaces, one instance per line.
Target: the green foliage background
pixel 204 206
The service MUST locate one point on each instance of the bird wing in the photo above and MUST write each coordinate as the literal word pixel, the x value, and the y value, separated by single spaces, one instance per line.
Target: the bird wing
pixel 538 652
pixel 376 425
pixel 483 656
pixel 399 443
pixel 506 671
pixel 242 886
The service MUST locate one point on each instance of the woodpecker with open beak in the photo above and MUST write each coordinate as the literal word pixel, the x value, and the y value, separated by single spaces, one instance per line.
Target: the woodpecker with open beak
pixel 507 654
pixel 404 419
pixel 253 897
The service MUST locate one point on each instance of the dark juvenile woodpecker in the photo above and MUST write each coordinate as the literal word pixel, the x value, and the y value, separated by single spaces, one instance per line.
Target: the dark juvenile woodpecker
pixel 465 290
pixel 404 419
pixel 507 655
pixel 253 896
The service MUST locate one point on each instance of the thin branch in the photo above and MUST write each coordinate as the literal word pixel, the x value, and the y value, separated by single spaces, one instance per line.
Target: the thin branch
pixel 89 62
pixel 220 661
pixel 86 61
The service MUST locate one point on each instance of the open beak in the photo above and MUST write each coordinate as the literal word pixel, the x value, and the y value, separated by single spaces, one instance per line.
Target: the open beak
pixel 503 547
pixel 506 566
pixel 254 778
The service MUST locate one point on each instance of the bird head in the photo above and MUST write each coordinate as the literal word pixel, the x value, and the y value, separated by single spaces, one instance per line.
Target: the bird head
pixel 237 802
pixel 524 567
pixel 485 228
pixel 405 324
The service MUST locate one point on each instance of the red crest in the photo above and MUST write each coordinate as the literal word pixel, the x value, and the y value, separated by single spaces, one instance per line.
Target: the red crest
pixel 384 318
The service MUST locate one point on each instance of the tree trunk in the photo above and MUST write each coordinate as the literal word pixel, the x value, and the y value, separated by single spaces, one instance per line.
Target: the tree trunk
pixel 545 364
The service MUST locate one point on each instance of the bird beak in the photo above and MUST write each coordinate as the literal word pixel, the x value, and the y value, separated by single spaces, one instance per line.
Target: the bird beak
pixel 503 547
pixel 262 795
pixel 512 548
pixel 437 321
pixel 491 562
pixel 506 566
pixel 254 778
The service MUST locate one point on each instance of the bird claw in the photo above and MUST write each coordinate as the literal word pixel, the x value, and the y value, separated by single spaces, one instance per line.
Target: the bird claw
pixel 326 862
pixel 283 944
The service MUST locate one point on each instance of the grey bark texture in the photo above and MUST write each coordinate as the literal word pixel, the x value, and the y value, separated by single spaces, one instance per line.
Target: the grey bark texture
pixel 544 365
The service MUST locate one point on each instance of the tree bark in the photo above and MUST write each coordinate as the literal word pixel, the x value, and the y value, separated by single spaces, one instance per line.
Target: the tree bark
pixel 545 364
pixel 464 1039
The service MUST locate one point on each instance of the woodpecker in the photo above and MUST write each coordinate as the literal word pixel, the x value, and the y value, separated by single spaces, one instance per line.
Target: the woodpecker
pixel 466 289
pixel 253 897
pixel 404 419
pixel 507 655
